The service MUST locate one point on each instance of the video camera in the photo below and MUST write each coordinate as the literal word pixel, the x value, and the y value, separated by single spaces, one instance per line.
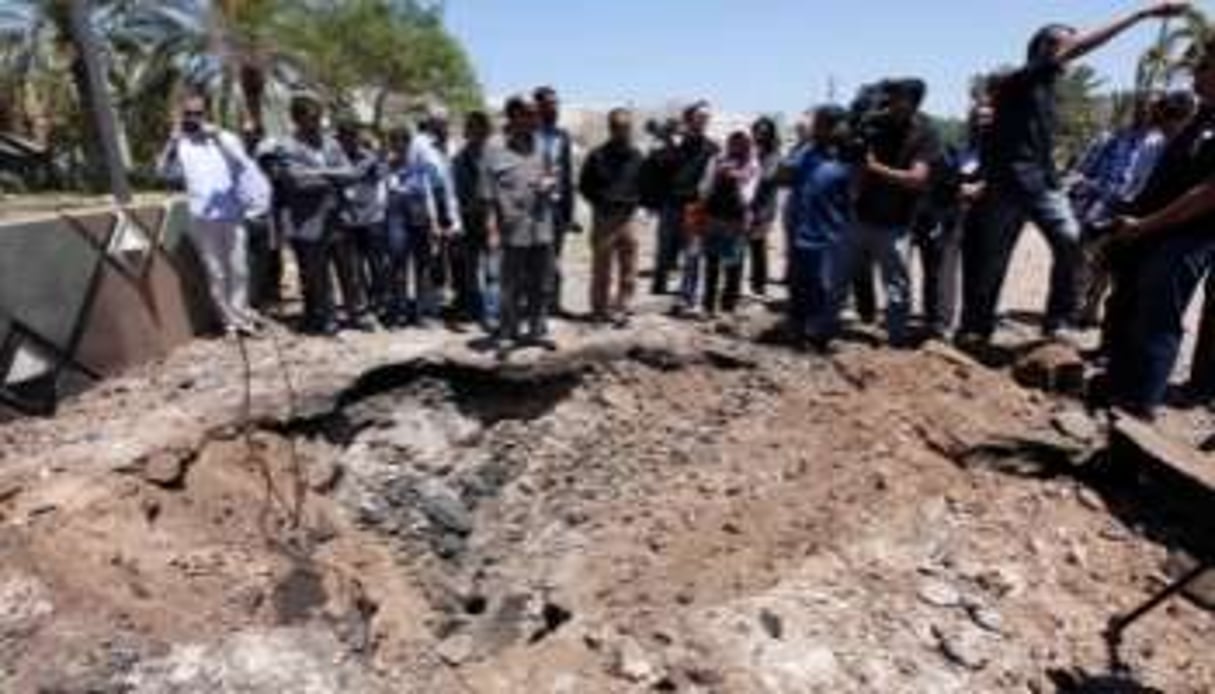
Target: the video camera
pixel 870 117
pixel 664 131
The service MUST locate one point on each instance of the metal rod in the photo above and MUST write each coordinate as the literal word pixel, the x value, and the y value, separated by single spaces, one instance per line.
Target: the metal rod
pixel 1119 624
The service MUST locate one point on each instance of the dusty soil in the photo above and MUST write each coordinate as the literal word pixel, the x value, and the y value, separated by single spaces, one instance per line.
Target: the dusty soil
pixel 677 507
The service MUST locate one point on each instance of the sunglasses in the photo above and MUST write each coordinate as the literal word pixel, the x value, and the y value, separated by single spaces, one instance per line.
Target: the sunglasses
pixel 194 114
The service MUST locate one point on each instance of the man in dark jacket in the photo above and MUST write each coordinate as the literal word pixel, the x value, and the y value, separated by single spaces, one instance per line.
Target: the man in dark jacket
pixel 611 183
pixel 314 171
pixel 557 149
pixel 682 166
pixel 482 262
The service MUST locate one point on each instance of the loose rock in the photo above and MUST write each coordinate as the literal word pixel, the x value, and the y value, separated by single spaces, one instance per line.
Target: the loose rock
pixel 963 648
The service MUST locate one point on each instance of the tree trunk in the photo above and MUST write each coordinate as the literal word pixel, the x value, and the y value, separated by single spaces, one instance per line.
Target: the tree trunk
pixel 88 72
pixel 377 116
pixel 253 91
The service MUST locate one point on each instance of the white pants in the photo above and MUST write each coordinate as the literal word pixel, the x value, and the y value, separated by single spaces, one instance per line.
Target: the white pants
pixel 222 247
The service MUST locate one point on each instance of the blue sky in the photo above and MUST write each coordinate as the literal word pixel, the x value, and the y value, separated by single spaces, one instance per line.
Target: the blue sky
pixel 762 55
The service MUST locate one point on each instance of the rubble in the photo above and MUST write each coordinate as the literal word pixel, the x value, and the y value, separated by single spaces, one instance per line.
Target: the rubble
pixel 658 509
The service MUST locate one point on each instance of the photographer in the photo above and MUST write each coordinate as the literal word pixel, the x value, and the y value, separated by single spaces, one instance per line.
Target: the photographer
pixel 897 172
pixel 1164 250
pixel 1023 183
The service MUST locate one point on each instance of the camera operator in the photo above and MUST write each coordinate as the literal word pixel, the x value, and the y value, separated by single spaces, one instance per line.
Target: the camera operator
pixel 896 173
pixel 1164 250
pixel 1022 178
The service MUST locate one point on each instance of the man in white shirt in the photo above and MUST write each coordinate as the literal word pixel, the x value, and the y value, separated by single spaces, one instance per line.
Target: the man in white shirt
pixel 223 185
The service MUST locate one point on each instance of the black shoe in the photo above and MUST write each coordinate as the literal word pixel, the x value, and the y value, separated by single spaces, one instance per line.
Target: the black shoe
pixel 543 342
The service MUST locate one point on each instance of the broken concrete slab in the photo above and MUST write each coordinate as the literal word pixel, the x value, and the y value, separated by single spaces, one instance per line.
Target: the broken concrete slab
pixel 1136 441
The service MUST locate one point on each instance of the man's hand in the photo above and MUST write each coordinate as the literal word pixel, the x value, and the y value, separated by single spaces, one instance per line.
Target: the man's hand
pixel 1128 228
pixel 872 165
pixel 972 191
pixel 1166 8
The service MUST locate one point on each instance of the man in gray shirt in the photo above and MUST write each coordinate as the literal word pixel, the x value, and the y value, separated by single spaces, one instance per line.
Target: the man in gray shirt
pixel 313 172
pixel 519 188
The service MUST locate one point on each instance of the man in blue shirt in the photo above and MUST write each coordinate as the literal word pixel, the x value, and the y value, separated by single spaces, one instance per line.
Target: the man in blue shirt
pixel 820 215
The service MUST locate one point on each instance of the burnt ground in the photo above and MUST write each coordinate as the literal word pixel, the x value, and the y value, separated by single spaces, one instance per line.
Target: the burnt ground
pixel 678 507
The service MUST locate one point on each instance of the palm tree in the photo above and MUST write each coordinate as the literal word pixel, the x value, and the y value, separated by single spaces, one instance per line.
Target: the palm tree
pixel 226 46
pixel 38 38
pixel 1172 51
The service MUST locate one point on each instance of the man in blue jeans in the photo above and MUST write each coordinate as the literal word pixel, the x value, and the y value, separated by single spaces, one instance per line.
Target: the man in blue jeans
pixel 819 215
pixel 1162 254
pixel 1022 181
pixel 1202 373
pixel 895 178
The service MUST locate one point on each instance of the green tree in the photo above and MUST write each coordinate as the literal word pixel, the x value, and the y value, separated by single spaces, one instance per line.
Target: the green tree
pixel 1171 53
pixel 37 50
pixel 1080 115
pixel 401 49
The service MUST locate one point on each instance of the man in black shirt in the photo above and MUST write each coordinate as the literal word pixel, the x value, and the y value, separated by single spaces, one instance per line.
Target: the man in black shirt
pixel 1023 183
pixel 682 168
pixel 896 176
pixel 611 183
pixel 1162 254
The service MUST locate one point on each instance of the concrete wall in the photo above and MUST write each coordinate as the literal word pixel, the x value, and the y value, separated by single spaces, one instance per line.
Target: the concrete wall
pixel 85 294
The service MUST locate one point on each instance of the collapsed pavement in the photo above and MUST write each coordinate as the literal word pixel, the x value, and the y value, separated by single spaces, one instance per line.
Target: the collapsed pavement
pixel 663 509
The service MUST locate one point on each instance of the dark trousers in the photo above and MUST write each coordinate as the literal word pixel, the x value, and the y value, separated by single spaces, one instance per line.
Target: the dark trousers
pixel 1153 288
pixel 717 269
pixel 669 248
pixel 940 250
pixel 411 292
pixel 864 291
pixel 988 248
pixel 1202 372
pixel 527 279
pixel 347 264
pixel 372 262
pixel 313 257
pixel 265 265
pixel 817 286
pixel 757 248
pixel 461 263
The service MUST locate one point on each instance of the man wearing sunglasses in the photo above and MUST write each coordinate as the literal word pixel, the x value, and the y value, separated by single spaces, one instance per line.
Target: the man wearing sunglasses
pixel 1163 250
pixel 224 187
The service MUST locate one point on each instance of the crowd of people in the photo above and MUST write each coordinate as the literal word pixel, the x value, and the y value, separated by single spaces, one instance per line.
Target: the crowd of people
pixel 406 231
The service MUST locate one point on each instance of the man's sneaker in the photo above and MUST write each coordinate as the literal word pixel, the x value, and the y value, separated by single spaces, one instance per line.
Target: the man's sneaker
pixel 542 341
pixel 1064 335
pixel 242 329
